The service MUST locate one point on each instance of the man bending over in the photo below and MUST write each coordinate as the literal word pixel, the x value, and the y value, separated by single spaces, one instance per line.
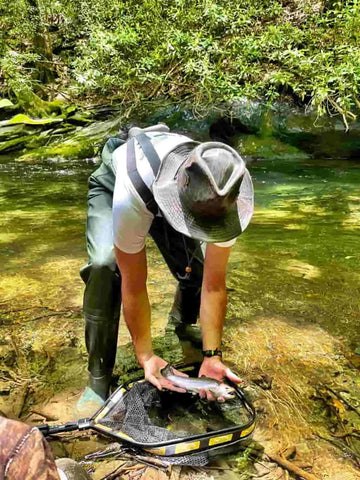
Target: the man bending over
pixel 194 199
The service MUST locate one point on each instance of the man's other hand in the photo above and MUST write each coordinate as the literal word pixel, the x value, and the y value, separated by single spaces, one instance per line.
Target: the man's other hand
pixel 212 367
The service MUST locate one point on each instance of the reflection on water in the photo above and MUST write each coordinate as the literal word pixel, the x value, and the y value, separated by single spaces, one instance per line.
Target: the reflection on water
pixel 42 208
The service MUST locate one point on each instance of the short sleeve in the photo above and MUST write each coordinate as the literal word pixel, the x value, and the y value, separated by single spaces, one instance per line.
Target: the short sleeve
pixel 131 222
pixel 229 243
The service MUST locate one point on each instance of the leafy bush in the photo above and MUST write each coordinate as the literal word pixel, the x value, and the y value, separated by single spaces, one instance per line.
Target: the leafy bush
pixel 201 50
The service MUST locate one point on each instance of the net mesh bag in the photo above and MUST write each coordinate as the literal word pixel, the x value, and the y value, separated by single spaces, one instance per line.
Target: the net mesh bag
pixel 131 416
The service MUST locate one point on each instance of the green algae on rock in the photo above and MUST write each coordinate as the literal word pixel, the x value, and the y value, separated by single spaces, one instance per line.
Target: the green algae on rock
pixel 69 149
pixel 21 118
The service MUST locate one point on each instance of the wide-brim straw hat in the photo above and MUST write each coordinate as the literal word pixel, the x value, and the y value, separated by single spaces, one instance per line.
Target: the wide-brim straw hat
pixel 205 191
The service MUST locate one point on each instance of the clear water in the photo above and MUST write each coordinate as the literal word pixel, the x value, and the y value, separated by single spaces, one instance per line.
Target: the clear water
pixel 299 258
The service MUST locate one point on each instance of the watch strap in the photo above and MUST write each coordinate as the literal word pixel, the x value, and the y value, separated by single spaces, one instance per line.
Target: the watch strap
pixel 212 353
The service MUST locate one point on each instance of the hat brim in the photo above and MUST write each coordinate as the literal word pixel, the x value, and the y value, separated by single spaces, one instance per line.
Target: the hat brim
pixel 204 228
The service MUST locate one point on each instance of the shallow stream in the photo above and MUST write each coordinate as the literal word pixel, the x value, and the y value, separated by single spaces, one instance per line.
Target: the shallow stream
pixel 299 261
pixel 299 258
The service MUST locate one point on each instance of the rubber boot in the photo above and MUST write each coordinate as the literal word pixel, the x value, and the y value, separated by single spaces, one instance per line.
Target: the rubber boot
pixel 101 341
pixel 94 396
pixel 68 469
pixel 183 315
pixel 100 385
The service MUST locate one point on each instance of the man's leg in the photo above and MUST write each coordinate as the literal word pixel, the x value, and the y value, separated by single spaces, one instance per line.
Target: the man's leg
pixel 179 253
pixel 102 292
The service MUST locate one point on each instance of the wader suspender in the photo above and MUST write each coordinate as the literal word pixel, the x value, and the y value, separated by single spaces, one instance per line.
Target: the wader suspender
pixel 154 160
pixel 144 191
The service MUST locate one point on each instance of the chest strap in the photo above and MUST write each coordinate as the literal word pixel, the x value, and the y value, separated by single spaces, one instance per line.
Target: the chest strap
pixel 140 186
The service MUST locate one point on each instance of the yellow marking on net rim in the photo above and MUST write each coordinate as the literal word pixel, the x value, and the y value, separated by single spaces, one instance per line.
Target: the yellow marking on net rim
pixel 123 435
pixel 156 451
pixel 222 439
pixel 187 447
pixel 247 430
pixel 118 395
pixel 102 414
pixel 104 427
pixel 116 434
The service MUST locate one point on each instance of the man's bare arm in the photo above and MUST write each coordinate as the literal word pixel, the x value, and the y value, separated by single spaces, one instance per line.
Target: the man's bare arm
pixel 213 295
pixel 212 314
pixel 136 307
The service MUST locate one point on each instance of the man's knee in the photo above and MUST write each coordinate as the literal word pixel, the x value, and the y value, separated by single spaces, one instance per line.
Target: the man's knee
pixel 103 265
pixel 104 268
pixel 102 294
pixel 104 258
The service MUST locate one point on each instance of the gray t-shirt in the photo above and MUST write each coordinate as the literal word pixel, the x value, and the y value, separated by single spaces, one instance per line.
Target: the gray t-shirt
pixel 131 219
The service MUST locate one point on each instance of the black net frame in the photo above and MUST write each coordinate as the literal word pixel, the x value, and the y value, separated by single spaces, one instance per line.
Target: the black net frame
pixel 139 434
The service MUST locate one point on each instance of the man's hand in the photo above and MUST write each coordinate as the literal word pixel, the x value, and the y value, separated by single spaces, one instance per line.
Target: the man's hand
pixel 213 367
pixel 152 368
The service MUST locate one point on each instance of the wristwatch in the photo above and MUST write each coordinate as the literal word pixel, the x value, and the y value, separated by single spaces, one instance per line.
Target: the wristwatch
pixel 212 353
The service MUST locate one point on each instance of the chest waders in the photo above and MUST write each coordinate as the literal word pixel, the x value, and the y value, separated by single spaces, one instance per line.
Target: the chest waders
pixel 102 296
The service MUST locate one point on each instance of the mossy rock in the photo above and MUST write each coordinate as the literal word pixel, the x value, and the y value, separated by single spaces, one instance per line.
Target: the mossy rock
pixel 79 143
pixel 250 113
pixel 265 147
pixel 70 149
pixel 20 136
pixel 34 106
pixel 17 143
pixel 182 119
pixel 79 118
pixel 15 131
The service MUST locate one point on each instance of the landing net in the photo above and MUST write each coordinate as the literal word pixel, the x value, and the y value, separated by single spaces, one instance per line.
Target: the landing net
pixel 180 426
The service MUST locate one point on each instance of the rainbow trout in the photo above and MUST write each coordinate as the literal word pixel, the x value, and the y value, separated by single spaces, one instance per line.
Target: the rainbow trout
pixel 194 385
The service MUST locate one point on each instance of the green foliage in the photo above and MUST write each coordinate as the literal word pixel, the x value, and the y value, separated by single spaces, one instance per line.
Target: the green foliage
pixel 5 103
pixel 24 119
pixel 245 459
pixel 205 51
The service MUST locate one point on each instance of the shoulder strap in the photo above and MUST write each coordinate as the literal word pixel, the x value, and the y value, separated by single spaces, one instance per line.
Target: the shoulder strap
pixel 149 151
pixel 139 184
